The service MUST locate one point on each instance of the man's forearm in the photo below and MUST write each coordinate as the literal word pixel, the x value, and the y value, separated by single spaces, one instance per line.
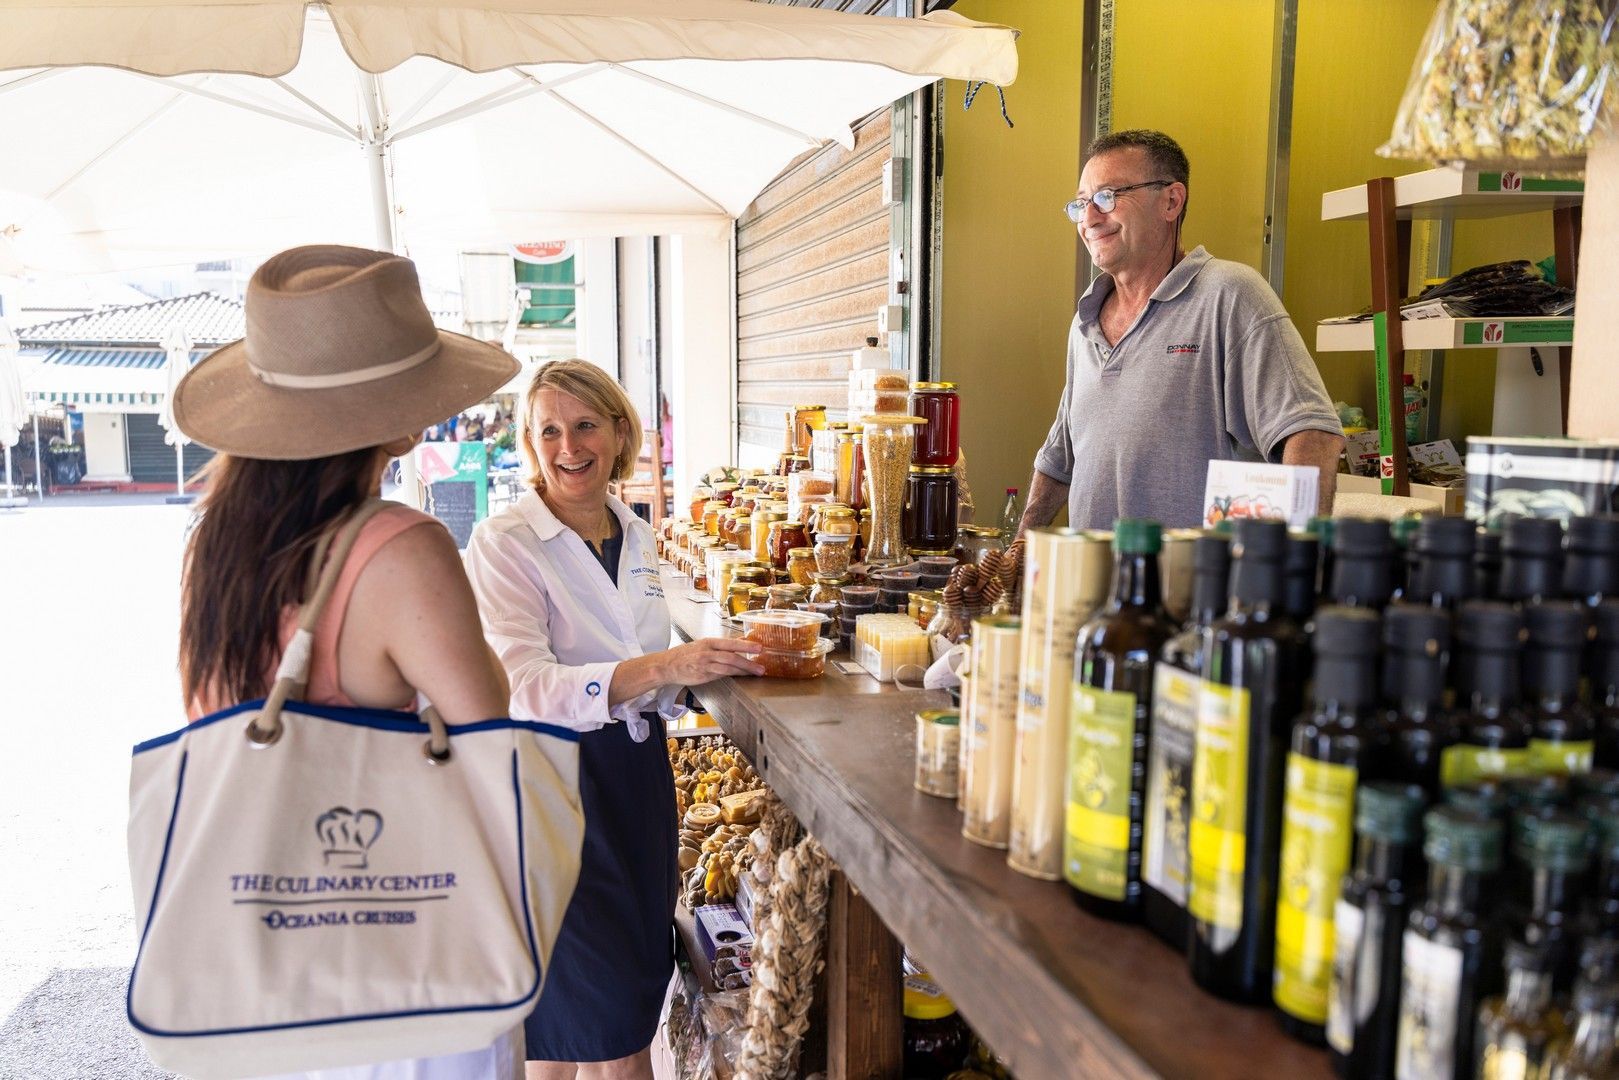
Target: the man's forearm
pixel 1046 497
pixel 1321 449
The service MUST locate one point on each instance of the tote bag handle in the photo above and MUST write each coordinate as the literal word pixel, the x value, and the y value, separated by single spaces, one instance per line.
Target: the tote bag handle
pixel 292 675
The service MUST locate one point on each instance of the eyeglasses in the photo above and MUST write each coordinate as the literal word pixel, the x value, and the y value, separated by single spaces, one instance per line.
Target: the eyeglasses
pixel 1106 199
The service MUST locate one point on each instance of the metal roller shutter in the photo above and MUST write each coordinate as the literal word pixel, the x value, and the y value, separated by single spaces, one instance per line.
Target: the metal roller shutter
pixel 812 264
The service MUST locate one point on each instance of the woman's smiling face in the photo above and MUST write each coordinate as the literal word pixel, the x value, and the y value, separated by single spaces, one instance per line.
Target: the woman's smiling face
pixel 577 447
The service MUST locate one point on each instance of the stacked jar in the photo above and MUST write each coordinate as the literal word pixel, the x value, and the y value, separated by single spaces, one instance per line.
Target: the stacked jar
pixel 931 495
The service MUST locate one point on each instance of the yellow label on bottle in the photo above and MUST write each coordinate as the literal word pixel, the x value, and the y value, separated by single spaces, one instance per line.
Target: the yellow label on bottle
pixel 1318 819
pixel 1548 756
pixel 1101 756
pixel 1218 839
pixel 1464 764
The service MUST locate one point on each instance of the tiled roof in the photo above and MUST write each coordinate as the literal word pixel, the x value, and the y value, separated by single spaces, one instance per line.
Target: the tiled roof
pixel 209 318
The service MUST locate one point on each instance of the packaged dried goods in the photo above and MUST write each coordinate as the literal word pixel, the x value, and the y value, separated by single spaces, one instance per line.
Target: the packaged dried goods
pixel 801 565
pixel 795 663
pixel 834 553
pixel 1512 83
pixel 788 630
pixel 888 442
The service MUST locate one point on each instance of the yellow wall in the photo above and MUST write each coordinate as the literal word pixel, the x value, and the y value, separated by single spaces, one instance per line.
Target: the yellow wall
pixel 1200 70
pixel 1008 274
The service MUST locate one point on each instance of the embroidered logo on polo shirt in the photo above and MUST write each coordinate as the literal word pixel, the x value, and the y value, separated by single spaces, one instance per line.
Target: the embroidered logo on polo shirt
pixel 593 689
pixel 1182 350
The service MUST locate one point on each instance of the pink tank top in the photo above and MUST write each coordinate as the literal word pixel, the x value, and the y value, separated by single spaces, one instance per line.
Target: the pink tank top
pixel 325 687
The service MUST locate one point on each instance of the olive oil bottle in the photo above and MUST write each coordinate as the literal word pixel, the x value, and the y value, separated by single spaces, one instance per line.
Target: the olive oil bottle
pixel 1176 686
pixel 1556 848
pixel 1532 560
pixel 1591 559
pixel 1330 744
pixel 1486 564
pixel 1418 728
pixel 1602 677
pixel 1363 1001
pixel 1404 530
pixel 1251 692
pixel 1564 738
pixel 1443 574
pixel 1496 729
pixel 1363 563
pixel 1517 1029
pixel 1112 712
pixel 1450 959
pixel 1591 1052
pixel 1300 571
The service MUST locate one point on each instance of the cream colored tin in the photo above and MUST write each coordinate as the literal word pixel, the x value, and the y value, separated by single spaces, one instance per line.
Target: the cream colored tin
pixel 989 745
pixel 1175 571
pixel 1065 579
pixel 938 752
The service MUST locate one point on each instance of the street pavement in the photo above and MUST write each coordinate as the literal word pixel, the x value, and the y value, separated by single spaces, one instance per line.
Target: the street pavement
pixel 89 620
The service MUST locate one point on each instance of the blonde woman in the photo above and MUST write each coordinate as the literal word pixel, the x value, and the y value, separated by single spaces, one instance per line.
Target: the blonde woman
pixel 567 584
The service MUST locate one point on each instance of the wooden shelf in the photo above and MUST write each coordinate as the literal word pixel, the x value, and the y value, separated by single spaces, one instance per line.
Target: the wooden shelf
pixel 1458 193
pixel 1552 331
pixel 1056 992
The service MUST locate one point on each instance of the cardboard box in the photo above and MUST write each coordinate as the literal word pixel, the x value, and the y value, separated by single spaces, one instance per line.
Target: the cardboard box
pixel 747 900
pixel 1550 478
pixel 1449 500
pixel 1239 489
pixel 721 931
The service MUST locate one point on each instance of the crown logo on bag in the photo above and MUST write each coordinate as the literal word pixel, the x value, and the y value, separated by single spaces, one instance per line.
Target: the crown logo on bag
pixel 348 835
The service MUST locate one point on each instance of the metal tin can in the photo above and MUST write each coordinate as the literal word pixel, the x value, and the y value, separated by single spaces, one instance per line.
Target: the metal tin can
pixel 989 743
pixel 938 752
pixel 1175 569
pixel 1061 588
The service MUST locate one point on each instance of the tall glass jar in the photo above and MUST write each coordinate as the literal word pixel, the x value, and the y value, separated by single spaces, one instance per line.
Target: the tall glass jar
pixel 940 441
pixel 764 521
pixel 843 463
pixel 785 536
pixel 888 442
pixel 930 507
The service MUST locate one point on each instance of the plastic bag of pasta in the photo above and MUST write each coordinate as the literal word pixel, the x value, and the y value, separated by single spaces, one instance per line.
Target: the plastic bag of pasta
pixel 1508 83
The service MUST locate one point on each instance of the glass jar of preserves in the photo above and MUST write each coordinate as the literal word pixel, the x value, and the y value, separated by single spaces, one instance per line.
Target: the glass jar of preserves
pixel 827 589
pixel 800 565
pixel 833 553
pixel 794 463
pixel 712 510
pixel 939 442
pixel 888 442
pixel 843 463
pixel 725 491
pixel 785 536
pixel 699 499
pixel 736 598
pixel 930 507
pixel 758 597
pixel 752 573
pixel 764 522
pixel 836 521
pixel 923 605
pixel 972 541
pixel 785 597
pixel 742 532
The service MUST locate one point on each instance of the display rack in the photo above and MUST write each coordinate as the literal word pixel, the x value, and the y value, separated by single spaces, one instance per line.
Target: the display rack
pixel 1055 991
pixel 1388 205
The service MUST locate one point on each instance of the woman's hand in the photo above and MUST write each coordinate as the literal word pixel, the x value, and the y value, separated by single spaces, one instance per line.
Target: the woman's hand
pixel 710 658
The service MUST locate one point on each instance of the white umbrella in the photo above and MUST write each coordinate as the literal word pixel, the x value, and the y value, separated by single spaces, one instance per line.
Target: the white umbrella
pixel 416 126
pixel 176 362
pixel 13 409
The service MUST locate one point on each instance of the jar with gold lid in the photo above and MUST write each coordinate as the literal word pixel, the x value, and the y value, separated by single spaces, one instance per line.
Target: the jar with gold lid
pixel 827 589
pixel 763 522
pixel 785 597
pixel 754 574
pixel 938 441
pixel 972 541
pixel 736 597
pixel 712 510
pixel 836 520
pixel 800 565
pixel 758 597
pixel 726 491
pixel 784 536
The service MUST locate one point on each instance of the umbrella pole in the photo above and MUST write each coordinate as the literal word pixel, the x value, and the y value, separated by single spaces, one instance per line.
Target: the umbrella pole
pixel 39 471
pixel 180 470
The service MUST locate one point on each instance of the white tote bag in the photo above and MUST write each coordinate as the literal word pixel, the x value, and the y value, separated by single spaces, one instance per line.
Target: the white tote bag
pixel 318 887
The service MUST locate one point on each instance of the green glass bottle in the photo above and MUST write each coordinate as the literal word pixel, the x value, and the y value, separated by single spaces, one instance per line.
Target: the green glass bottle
pixel 1451 955
pixel 1403 531
pixel 1177 685
pixel 1484 797
pixel 1556 848
pixel 1328 751
pixel 1111 719
pixel 1601 910
pixel 1532 560
pixel 1300 570
pixel 1602 678
pixel 1369 920
pixel 1565 730
pixel 1253 659
pixel 1591 1051
pixel 1418 728
pixel 1591 559
pixel 1326 534
pixel 1443 574
pixel 1363 563
pixel 1496 729
pixel 1516 1029
pixel 1486 564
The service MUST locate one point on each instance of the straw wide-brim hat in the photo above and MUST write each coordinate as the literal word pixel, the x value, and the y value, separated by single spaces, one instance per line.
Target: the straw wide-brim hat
pixel 340 354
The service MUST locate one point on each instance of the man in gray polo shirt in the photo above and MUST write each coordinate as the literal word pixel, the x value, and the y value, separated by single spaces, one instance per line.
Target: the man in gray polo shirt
pixel 1175 359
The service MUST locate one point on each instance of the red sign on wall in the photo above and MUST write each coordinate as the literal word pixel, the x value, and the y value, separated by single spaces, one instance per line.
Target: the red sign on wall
pixel 543 252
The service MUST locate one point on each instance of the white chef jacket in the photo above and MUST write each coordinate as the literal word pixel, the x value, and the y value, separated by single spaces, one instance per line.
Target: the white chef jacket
pixel 558 624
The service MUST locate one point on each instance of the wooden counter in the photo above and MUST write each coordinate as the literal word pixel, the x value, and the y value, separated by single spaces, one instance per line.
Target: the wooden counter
pixel 1057 992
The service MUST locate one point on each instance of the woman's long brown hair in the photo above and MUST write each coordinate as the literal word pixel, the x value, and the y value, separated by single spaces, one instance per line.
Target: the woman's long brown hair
pixel 246 560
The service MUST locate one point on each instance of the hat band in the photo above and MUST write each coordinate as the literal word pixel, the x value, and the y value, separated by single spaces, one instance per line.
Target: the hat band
pixel 344 378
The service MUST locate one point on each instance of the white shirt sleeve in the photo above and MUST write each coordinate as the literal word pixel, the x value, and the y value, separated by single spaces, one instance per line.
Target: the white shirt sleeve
pixel 516 620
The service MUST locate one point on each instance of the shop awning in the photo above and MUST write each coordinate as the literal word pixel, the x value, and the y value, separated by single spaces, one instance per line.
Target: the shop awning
pixel 98 380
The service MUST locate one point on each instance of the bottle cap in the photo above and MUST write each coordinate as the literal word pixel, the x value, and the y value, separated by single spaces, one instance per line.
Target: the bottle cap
pixel 1533 536
pixel 1225 527
pixel 1536 792
pixel 1489 625
pixel 1557 624
pixel 1326 529
pixel 1445 536
pixel 1212 552
pixel 1554 841
pixel 1484 797
pixel 924 1000
pixel 1409 380
pixel 1404 530
pixel 1462 839
pixel 1258 538
pixel 1595 535
pixel 1137 536
pixel 1303 552
pixel 1362 538
pixel 1346 632
pixel 1389 811
pixel 1416 628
